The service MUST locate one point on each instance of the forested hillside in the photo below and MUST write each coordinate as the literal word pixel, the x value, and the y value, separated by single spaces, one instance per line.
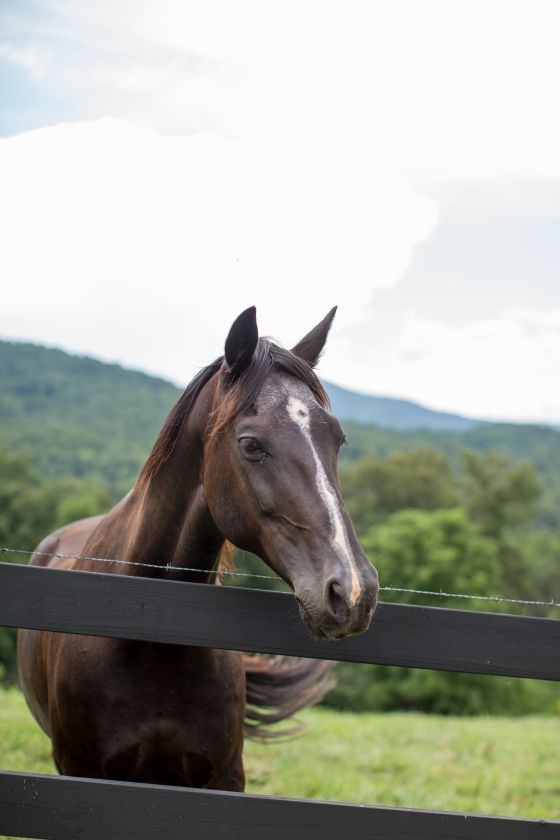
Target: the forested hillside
pixel 81 417
pixel 77 416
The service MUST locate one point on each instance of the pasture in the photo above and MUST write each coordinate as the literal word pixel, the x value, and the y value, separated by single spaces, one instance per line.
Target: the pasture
pixel 496 765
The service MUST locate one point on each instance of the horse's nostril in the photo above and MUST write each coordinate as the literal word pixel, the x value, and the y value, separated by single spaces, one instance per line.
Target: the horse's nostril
pixel 336 601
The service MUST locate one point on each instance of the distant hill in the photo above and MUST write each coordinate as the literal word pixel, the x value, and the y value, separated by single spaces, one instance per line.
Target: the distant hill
pixel 81 417
pixel 392 413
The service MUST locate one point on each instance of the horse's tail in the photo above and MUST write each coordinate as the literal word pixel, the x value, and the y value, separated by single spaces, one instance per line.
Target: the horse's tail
pixel 278 687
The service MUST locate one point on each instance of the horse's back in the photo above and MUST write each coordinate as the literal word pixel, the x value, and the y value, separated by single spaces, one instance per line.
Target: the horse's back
pixel 67 541
pixel 35 646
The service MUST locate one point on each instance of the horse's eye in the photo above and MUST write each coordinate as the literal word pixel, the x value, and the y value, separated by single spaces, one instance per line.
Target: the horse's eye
pixel 342 440
pixel 252 449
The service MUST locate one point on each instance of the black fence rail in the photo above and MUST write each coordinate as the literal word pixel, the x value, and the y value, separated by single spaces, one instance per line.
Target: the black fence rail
pixel 266 622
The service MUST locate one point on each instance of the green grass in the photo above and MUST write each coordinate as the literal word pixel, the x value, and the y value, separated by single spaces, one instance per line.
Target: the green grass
pixel 493 765
pixel 23 745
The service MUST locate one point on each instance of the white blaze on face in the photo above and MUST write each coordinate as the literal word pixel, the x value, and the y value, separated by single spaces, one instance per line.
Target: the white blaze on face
pixel 299 413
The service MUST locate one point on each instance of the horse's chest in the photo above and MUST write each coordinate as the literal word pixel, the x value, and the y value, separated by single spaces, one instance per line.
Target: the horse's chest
pixel 159 752
pixel 159 715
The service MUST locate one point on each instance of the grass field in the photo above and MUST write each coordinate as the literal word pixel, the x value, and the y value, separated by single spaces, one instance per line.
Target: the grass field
pixel 494 765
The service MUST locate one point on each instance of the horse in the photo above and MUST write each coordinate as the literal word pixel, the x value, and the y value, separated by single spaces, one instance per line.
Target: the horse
pixel 248 458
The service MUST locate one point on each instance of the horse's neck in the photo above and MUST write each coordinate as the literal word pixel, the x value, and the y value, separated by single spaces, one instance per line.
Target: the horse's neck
pixel 174 532
pixel 165 522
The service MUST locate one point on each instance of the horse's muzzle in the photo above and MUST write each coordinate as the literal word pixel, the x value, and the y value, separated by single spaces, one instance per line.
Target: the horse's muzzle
pixel 333 616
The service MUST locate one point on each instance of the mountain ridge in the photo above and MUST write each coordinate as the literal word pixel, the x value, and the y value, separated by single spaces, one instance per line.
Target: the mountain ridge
pixel 347 404
pixel 393 412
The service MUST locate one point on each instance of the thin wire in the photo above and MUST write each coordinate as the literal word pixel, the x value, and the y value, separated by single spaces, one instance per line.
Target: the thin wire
pixel 438 594
pixel 497 598
pixel 166 566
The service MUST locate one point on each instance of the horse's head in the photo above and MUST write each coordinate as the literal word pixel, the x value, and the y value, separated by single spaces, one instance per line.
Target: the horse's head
pixel 271 482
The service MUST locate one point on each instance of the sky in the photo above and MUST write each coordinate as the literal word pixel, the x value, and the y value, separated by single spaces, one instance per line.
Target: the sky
pixel 164 165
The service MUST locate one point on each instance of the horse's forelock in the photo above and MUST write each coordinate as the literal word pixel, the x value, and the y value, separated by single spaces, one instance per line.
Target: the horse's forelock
pixel 238 396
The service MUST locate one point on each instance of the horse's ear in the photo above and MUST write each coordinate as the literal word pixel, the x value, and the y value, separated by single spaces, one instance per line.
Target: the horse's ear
pixel 310 347
pixel 241 342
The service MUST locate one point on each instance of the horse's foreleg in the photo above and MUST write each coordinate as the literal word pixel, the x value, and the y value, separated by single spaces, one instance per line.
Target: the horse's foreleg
pixel 233 778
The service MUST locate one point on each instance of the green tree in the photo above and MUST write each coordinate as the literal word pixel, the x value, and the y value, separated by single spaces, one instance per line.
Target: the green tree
pixel 499 494
pixel 31 508
pixel 500 497
pixel 541 548
pixel 434 550
pixel 374 487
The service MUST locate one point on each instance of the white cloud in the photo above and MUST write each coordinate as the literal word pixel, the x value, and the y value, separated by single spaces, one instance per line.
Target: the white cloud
pixel 501 368
pixel 142 247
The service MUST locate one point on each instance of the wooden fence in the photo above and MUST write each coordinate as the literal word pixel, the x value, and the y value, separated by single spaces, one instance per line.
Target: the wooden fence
pixel 267 622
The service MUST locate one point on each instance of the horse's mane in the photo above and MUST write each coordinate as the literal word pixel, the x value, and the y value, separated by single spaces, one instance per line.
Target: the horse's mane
pixel 171 429
pixel 236 396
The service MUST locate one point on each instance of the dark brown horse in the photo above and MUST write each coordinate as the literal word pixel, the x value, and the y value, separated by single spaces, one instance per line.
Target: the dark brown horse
pixel 247 456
